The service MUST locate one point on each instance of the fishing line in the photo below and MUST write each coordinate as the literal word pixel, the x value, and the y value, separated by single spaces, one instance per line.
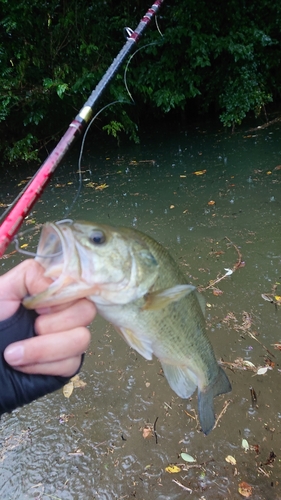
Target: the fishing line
pixel 35 188
pixel 127 33
pixel 127 67
pixel 157 26
pixel 68 210
pixel 20 235
pixel 38 226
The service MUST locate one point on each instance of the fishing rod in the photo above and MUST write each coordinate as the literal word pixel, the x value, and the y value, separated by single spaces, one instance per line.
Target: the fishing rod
pixel 35 187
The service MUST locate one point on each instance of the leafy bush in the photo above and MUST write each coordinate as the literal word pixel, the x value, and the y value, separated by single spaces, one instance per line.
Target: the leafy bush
pixel 224 55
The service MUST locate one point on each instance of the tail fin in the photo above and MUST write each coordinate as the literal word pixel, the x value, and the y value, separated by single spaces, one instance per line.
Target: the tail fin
pixel 206 400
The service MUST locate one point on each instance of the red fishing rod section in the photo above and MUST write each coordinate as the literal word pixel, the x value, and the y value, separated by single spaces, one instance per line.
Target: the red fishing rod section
pixel 34 189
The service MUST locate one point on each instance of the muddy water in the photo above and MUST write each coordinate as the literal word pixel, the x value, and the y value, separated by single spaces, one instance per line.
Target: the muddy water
pixel 91 445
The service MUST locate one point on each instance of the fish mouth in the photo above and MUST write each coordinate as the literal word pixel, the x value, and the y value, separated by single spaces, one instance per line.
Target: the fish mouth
pixel 54 246
pixel 50 245
pixel 56 253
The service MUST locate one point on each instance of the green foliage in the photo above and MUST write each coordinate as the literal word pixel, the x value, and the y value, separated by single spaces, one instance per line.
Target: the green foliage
pixel 223 55
pixel 23 149
pixel 113 128
pixel 219 55
pixel 241 95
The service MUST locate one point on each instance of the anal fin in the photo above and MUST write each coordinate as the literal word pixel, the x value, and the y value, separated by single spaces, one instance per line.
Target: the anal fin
pixel 140 343
pixel 180 379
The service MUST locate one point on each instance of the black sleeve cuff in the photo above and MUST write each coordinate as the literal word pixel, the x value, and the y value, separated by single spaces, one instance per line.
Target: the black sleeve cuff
pixel 17 388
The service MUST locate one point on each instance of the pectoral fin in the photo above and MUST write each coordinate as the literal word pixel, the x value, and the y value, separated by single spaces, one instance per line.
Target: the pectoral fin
pixel 137 341
pixel 181 379
pixel 161 298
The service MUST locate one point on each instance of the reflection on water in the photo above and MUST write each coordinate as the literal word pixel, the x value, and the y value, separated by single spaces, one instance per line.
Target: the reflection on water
pixel 91 446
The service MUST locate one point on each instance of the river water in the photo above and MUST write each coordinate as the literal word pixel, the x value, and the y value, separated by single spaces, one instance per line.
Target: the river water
pixel 213 199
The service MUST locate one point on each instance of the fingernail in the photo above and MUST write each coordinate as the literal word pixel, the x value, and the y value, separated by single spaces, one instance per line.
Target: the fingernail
pixel 43 310
pixel 14 354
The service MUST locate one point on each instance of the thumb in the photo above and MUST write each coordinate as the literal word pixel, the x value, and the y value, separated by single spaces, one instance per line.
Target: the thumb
pixel 26 278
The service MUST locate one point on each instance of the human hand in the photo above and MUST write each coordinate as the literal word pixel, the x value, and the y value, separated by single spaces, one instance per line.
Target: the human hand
pixel 61 333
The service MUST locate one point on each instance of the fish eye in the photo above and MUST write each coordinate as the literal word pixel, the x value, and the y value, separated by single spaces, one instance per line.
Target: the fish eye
pixel 97 237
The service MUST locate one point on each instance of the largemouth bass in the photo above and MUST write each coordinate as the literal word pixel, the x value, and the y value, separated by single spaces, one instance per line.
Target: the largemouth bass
pixel 137 286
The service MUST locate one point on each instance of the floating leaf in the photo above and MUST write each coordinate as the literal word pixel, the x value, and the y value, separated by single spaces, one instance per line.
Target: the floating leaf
pixel 263 369
pixel 245 444
pixel 68 389
pixel 172 206
pixel 269 362
pixel 266 297
pixel 101 187
pixel 30 221
pixel 217 292
pixel 231 460
pixel 211 203
pixel 277 346
pixel 245 489
pixel 200 172
pixel 271 458
pixel 172 469
pixel 277 298
pixel 147 432
pixel 77 382
pixel 24 245
pixel 256 448
pixel 74 382
pixel 187 458
pixel 248 363
pixel 228 271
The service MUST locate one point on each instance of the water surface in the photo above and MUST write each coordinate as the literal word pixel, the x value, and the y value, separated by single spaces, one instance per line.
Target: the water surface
pixel 91 446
